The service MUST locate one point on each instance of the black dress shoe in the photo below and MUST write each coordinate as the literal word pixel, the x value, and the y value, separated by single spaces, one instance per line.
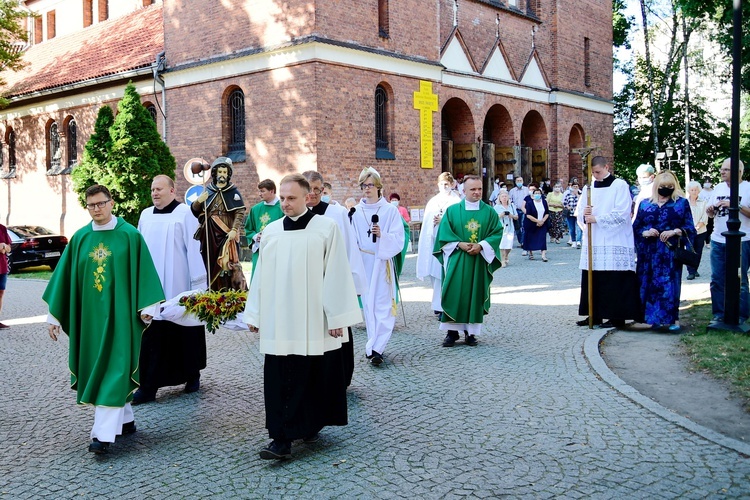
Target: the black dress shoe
pixel 471 340
pixel 585 322
pixel 312 439
pixel 450 339
pixel 140 397
pixel 128 428
pixel 193 385
pixel 277 450
pixel 376 359
pixel 98 447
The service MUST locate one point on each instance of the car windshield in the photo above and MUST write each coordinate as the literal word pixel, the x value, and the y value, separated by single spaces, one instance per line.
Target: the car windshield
pixel 31 231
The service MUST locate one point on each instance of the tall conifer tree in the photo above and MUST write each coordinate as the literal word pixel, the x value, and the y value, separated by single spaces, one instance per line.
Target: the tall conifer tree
pixel 95 154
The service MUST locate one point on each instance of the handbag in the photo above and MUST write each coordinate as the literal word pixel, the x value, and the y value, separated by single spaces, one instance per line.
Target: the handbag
pixel 685 256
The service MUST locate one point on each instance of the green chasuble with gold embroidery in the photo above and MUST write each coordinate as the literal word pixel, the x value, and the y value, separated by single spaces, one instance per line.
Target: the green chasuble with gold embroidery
pixel 103 279
pixel 467 278
pixel 260 216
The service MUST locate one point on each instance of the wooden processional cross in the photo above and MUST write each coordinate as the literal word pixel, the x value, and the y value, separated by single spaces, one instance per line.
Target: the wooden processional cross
pixel 585 152
pixel 427 103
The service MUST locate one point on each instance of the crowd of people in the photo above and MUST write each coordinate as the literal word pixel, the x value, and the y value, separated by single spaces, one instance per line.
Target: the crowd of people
pixel 339 265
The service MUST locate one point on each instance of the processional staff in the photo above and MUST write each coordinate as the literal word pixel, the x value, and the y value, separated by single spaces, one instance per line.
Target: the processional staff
pixel 200 167
pixel 584 153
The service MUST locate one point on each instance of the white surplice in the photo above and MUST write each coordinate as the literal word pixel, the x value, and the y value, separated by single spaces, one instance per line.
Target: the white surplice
pixel 427 264
pixel 176 254
pixel 302 288
pixel 612 233
pixel 380 301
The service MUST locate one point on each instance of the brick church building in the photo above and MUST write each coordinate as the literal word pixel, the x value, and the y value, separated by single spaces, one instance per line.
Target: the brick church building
pixel 409 87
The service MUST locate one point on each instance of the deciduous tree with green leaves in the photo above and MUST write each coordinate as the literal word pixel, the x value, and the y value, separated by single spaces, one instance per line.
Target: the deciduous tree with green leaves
pixel 13 38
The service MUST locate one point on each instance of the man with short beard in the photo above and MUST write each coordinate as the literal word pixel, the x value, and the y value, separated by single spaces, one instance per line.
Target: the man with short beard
pixel 219 235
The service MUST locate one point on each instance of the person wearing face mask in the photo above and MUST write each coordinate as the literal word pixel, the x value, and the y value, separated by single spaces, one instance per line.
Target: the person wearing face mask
pixel 662 222
pixel 645 175
pixel 327 196
pixel 518 196
pixel 570 201
pixel 535 223
pixel 395 200
pixel 556 219
pixel 427 264
pixel 496 187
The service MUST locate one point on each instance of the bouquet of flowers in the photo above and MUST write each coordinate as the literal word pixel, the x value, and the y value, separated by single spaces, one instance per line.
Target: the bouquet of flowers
pixel 214 308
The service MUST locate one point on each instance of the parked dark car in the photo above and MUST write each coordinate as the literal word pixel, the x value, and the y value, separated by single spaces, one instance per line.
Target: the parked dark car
pixel 34 246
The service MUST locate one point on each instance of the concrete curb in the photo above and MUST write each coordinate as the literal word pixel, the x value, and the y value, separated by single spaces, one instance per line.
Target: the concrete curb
pixel 594 358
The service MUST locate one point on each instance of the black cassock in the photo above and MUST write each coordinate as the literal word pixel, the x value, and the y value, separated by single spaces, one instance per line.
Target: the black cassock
pixel 303 394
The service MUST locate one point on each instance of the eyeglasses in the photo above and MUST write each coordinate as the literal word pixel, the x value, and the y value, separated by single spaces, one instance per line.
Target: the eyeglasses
pixel 99 204
pixel 367 186
pixel 317 190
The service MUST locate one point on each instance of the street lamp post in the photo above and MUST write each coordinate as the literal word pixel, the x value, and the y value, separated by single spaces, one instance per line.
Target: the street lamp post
pixel 733 235
pixel 666 157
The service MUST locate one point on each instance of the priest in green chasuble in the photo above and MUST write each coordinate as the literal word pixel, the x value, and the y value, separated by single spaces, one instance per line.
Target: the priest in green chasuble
pixel 261 215
pixel 103 282
pixel 468 247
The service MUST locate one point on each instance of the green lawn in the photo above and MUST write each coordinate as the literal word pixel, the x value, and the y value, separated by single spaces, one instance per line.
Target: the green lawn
pixel 37 273
pixel 725 355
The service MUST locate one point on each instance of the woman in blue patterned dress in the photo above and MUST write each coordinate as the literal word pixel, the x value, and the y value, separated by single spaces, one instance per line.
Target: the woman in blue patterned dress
pixel 662 220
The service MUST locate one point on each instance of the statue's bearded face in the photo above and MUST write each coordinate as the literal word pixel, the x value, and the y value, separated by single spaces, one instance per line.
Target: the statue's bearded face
pixel 222 176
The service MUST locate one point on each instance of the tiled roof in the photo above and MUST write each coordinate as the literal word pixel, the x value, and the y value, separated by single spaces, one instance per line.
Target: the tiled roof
pixel 107 48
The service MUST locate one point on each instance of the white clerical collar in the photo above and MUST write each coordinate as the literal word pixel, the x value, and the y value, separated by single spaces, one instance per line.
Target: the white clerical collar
pixel 472 205
pixel 273 202
pixel 298 216
pixel 105 227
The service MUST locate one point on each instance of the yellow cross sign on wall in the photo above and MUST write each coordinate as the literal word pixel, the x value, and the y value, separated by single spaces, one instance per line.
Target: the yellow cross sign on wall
pixel 427 103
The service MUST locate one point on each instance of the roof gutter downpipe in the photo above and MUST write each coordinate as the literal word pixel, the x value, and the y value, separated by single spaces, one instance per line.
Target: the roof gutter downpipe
pixel 159 67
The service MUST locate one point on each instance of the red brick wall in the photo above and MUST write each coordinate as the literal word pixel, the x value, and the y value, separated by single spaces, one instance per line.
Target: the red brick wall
pixel 592 19
pixel 196 30
pixel 558 40
pixel 280 120
pixel 411 22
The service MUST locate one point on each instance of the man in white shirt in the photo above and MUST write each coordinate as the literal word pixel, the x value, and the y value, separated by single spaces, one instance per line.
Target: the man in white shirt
pixel 718 210
pixel 518 196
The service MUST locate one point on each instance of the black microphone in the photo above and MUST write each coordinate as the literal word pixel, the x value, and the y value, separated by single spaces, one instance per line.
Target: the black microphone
pixel 351 213
pixel 375 220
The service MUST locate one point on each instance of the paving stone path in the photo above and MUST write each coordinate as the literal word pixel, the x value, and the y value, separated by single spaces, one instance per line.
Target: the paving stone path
pixel 521 415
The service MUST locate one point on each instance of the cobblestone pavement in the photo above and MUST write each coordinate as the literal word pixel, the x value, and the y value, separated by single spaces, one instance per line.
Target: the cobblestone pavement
pixel 522 415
